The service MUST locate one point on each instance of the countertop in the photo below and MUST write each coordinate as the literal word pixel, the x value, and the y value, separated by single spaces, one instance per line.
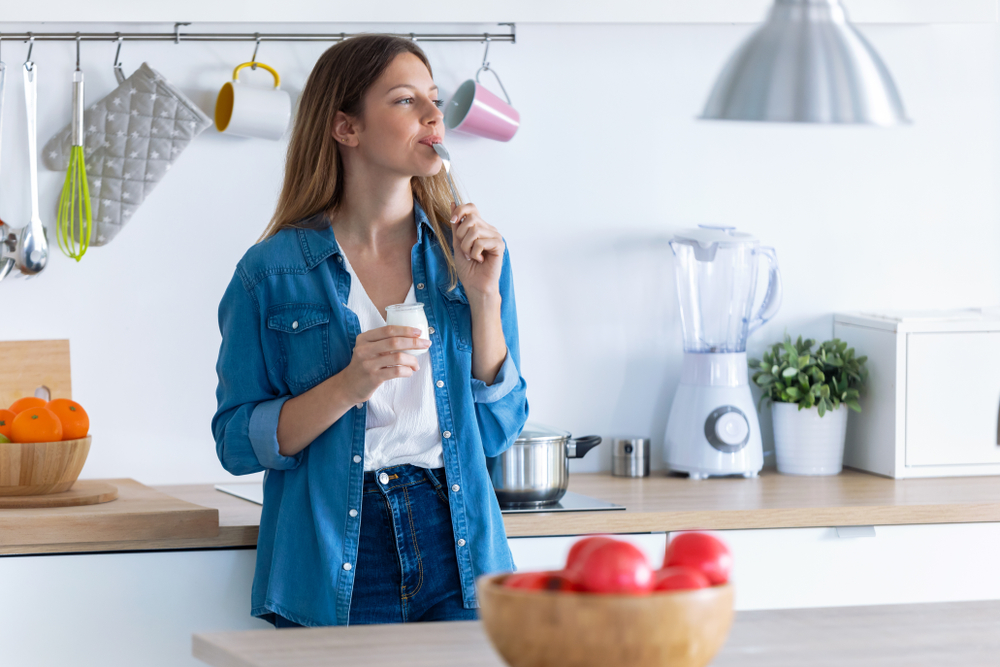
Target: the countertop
pixel 915 635
pixel 661 503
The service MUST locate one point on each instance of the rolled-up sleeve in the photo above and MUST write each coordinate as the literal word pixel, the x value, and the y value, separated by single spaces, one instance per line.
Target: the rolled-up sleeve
pixel 502 407
pixel 245 424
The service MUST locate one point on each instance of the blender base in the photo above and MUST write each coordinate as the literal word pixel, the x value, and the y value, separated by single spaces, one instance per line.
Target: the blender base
pixel 713 384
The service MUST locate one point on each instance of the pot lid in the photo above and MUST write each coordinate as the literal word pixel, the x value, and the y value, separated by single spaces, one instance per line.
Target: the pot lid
pixel 707 235
pixel 532 433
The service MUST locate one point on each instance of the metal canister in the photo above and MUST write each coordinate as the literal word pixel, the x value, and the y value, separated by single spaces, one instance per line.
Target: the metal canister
pixel 630 457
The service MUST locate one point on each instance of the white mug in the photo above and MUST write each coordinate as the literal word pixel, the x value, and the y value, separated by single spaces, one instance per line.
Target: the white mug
pixel 249 111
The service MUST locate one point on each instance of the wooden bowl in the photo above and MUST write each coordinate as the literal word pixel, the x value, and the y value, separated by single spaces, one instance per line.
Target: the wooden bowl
pixel 37 468
pixel 547 628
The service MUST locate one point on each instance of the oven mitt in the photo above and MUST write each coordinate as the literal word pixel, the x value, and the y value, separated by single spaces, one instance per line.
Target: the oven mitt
pixel 131 138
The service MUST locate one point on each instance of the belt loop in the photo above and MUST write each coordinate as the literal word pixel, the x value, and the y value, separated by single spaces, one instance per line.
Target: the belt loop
pixel 433 479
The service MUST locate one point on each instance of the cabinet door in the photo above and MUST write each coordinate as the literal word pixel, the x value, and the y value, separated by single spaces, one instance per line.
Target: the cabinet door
pixel 952 398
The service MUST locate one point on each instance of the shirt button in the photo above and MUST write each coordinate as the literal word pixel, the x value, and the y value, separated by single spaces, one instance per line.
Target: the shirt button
pixel 420 285
pixel 357 459
pixel 430 330
pixel 455 487
pixel 359 406
pixel 347 566
pixel 446 434
pixel 295 324
pixel 461 543
pixel 383 478
pixel 439 383
pixel 353 512
pixel 340 259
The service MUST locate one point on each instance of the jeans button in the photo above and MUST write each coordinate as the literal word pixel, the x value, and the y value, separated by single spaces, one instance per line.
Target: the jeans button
pixel 383 478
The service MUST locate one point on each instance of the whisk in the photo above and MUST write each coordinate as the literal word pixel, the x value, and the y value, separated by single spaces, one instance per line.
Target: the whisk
pixel 73 222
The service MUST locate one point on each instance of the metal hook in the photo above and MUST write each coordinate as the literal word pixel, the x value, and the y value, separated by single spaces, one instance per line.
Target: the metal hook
pixel 413 37
pixel 253 58
pixel 486 68
pixel 119 74
pixel 177 32
pixel 28 65
pixel 77 52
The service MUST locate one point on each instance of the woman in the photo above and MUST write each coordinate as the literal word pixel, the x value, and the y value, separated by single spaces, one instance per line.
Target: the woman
pixel 378 506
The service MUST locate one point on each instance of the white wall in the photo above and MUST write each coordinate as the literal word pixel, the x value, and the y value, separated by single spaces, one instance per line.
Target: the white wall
pixel 609 161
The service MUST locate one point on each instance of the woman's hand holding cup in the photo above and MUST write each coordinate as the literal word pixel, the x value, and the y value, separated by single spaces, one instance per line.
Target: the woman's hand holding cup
pixel 382 354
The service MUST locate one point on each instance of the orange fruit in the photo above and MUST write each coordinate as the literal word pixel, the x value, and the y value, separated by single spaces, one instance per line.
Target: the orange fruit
pixel 36 425
pixel 26 402
pixel 75 421
pixel 6 419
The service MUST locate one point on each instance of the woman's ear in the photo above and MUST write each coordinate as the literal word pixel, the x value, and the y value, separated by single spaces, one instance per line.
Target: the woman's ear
pixel 345 130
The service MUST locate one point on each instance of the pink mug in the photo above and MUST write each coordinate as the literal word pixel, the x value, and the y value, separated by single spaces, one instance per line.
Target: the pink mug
pixel 475 110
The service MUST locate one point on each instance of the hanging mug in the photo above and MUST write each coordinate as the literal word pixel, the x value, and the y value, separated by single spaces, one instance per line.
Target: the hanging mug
pixel 250 111
pixel 475 110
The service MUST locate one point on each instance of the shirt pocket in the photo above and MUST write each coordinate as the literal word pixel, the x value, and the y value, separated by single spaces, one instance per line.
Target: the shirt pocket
pixel 303 332
pixel 457 305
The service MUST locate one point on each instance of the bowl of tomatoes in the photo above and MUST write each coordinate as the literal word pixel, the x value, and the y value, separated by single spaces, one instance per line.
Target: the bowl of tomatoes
pixel 608 606
pixel 43 446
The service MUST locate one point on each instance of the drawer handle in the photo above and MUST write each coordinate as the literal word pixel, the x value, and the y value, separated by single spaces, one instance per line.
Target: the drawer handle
pixel 855 531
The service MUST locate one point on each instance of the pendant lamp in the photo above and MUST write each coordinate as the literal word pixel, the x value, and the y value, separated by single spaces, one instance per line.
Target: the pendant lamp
pixel 806 64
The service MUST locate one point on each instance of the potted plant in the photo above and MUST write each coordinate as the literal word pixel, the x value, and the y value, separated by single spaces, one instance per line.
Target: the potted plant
pixel 808 390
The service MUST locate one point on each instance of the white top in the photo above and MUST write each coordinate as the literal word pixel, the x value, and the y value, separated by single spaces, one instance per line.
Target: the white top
pixel 401 424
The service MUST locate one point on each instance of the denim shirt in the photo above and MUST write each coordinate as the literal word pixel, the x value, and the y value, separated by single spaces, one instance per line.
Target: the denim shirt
pixel 286 328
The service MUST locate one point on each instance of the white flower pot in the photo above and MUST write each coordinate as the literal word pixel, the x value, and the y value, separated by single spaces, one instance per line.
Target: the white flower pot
pixel 807 444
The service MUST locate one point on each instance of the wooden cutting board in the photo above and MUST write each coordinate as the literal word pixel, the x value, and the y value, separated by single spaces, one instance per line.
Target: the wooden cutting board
pixel 139 514
pixel 30 364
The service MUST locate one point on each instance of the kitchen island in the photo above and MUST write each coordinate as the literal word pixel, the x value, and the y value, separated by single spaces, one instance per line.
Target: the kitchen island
pixel 875 541
pixel 927 635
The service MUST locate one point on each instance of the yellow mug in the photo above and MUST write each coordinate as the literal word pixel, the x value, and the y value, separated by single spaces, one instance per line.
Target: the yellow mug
pixel 252 111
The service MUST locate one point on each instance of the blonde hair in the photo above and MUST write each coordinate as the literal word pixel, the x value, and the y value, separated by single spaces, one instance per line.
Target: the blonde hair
pixel 314 169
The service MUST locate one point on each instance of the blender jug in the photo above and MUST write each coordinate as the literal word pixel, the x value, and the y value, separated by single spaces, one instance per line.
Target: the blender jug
pixel 716 271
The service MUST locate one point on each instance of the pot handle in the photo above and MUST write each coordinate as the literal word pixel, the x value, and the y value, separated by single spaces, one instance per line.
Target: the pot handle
pixel 577 448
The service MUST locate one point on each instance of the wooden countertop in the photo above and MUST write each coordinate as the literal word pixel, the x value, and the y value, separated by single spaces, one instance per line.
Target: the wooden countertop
pixel 917 635
pixel 663 503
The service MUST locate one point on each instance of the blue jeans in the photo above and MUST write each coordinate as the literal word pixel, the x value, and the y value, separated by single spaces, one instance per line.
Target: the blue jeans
pixel 406 568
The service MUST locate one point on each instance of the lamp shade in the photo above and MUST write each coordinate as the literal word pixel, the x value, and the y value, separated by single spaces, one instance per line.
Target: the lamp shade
pixel 806 64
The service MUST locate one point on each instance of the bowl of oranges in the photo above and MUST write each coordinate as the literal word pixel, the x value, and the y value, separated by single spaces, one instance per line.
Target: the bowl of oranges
pixel 43 446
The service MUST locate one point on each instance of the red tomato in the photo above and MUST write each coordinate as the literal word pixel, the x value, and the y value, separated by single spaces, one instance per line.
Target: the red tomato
pixel 702 552
pixel 679 578
pixel 560 581
pixel 614 567
pixel 580 548
pixel 532 581
pixel 541 581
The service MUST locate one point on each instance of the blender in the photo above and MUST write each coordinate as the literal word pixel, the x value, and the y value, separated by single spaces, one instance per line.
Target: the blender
pixel 713 428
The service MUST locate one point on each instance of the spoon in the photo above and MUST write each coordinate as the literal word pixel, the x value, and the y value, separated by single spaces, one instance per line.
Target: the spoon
pixel 32 246
pixel 446 158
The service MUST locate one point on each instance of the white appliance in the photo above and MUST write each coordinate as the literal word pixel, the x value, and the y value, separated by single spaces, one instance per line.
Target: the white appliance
pixel 712 428
pixel 931 406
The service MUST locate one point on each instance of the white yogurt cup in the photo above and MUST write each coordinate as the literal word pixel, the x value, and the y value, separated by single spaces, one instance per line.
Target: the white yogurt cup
pixel 409 315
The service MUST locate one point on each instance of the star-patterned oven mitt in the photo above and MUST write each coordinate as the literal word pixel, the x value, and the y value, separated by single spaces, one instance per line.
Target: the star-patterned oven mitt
pixel 131 138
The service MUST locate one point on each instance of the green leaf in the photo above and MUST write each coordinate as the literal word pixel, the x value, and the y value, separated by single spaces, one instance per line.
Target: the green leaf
pixel 853 405
pixel 794 393
pixel 789 372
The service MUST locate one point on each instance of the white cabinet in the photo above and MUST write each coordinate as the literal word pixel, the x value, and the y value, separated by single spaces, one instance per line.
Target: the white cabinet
pixel 791 568
pixel 952 398
pixel 931 407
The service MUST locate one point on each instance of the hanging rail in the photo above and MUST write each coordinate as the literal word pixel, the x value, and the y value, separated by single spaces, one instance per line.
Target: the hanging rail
pixel 177 37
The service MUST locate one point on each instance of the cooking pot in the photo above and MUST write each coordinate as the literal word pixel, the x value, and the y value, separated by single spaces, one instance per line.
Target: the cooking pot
pixel 535 470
